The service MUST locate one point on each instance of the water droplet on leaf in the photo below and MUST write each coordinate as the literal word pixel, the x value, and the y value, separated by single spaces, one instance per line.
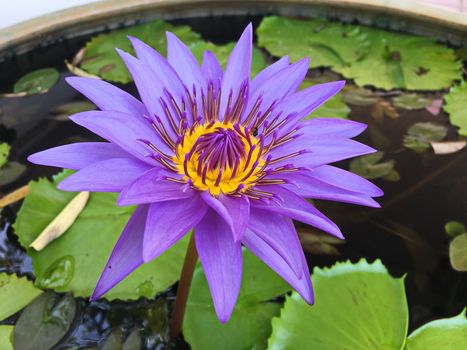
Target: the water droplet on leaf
pixel 58 275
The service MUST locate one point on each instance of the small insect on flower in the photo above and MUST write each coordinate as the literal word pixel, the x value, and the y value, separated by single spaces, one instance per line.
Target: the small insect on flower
pixel 215 151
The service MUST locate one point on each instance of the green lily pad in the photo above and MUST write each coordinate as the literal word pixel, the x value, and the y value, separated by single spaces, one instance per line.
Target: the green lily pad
pixel 44 322
pixel 6 335
pixel 62 112
pixel 456 107
pixel 371 167
pixel 327 44
pixel 357 306
pixel 222 53
pixel 335 107
pixel 403 61
pixel 458 252
pixel 102 60
pixel 444 334
pixel 411 101
pixel 4 153
pixel 420 135
pixel 454 228
pixel 37 82
pixel 15 294
pixel 72 262
pixel 10 172
pixel 358 96
pixel 249 326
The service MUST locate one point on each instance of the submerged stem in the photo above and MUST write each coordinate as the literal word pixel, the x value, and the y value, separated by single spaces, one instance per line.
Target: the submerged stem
pixel 184 287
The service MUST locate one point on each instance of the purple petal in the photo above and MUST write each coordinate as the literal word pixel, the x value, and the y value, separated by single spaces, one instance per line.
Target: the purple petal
pixel 298 105
pixel 267 72
pixel 336 127
pixel 297 208
pixel 153 80
pixel 235 211
pixel 345 179
pixel 184 63
pixel 237 71
pixel 221 258
pixel 305 185
pixel 318 151
pixel 127 254
pixel 123 130
pixel 279 86
pixel 211 69
pixel 153 186
pixel 267 254
pixel 279 233
pixel 168 222
pixel 110 175
pixel 77 155
pixel 107 96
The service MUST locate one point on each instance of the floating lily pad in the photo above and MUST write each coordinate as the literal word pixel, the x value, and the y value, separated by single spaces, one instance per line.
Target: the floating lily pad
pixel 371 167
pixel 458 252
pixel 444 334
pixel 411 101
pixel 327 44
pixel 44 322
pixel 62 112
pixel 332 108
pixel 102 60
pixel 359 96
pixel 403 61
pixel 10 172
pixel 6 334
pixel 37 82
pixel 249 326
pixel 4 153
pixel 15 294
pixel 454 228
pixel 222 53
pixel 420 135
pixel 358 306
pixel 456 106
pixel 73 262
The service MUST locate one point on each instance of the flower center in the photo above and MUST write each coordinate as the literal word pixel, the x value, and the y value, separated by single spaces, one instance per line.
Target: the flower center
pixel 220 158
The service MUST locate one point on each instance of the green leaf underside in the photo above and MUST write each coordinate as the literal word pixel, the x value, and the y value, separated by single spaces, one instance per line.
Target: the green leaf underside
pixel 222 52
pixel 456 107
pixel 370 56
pixel 101 58
pixel 37 82
pixel 335 107
pixel 444 334
pixel 250 324
pixel 357 306
pixel 75 261
pixel 15 294
pixel 6 333
pixel 420 135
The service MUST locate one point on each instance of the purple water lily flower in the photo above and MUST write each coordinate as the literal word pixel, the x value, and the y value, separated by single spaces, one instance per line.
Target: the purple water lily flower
pixel 211 150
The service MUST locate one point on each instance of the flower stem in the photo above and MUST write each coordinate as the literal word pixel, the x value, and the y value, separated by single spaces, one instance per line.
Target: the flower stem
pixel 184 287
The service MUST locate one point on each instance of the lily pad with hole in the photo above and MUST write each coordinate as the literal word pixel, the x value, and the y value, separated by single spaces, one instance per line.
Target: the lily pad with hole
pixel 419 136
pixel 72 262
pixel 102 60
pixel 403 61
pixel 327 44
pixel 456 107
pixel 249 326
pixel 357 307
pixel 15 294
pixel 36 82
pixel 443 334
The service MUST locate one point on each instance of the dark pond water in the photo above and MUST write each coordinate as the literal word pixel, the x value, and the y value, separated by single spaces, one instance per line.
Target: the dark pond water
pixel 407 233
